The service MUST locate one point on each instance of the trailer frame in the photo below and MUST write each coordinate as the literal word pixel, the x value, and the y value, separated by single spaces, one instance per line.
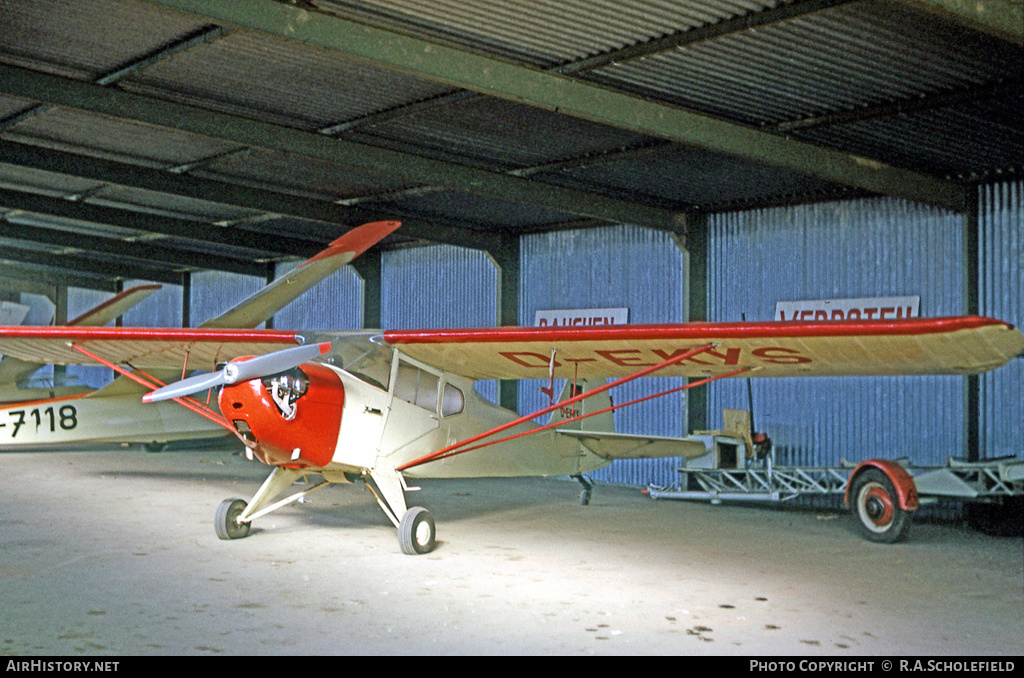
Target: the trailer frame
pixel 881 494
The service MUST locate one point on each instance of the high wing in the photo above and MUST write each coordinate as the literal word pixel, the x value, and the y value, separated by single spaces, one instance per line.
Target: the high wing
pixel 221 339
pixel 960 345
pixel 13 370
pixel 275 296
pixel 114 307
pixel 140 347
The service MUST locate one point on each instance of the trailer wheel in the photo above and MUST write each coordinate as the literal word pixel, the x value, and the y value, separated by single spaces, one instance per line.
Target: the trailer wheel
pixel 876 508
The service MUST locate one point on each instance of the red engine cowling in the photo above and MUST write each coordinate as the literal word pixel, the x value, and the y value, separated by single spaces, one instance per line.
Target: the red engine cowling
pixel 294 418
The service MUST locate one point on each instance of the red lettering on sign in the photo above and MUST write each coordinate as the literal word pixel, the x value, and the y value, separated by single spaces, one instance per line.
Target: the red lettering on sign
pixel 789 356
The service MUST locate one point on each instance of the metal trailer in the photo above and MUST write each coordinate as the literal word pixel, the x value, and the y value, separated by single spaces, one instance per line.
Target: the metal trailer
pixel 881 494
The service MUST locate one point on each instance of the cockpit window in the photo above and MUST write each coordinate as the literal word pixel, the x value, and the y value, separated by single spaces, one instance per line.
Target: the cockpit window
pixel 416 386
pixel 452 401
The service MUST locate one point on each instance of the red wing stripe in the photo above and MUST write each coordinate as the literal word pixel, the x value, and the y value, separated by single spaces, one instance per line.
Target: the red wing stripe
pixel 182 335
pixel 694 331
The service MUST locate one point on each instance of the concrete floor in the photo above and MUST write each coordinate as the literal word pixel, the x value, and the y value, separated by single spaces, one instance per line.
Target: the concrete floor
pixel 114 553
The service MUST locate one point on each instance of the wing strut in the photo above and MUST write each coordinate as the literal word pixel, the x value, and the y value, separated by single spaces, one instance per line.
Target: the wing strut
pixel 555 424
pixel 155 384
pixel 451 449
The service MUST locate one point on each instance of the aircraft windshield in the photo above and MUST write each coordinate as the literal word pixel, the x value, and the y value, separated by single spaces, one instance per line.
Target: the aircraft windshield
pixel 368 361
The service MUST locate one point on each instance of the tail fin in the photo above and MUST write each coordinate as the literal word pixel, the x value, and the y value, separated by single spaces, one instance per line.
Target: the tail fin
pixel 261 306
pixel 603 422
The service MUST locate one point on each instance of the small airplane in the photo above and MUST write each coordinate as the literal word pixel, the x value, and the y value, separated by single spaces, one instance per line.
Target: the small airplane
pixel 74 415
pixel 385 407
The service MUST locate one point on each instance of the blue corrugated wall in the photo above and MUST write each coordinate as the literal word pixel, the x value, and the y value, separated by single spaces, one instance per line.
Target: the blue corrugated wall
pixel 440 286
pixel 847 249
pixel 1001 295
pixel 624 266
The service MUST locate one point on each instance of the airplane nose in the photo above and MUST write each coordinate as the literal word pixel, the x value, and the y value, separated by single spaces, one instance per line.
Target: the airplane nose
pixel 293 418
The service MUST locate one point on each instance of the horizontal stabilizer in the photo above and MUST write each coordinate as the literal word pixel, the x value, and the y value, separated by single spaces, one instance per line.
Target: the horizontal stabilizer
pixel 631 446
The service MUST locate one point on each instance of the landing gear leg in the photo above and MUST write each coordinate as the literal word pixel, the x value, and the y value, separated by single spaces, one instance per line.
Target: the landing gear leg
pixel 234 516
pixel 588 487
pixel 416 531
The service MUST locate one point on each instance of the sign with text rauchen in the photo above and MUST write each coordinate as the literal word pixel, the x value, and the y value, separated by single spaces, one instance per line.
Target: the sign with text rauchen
pixel 581 317
pixel 866 308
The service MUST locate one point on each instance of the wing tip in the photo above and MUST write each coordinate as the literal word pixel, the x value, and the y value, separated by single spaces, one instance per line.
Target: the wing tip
pixel 360 239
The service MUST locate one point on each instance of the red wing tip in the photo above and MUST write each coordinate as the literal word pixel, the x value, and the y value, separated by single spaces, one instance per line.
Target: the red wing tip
pixel 361 238
pixel 358 240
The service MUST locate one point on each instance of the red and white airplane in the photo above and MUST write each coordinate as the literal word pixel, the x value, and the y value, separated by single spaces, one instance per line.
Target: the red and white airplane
pixel 384 407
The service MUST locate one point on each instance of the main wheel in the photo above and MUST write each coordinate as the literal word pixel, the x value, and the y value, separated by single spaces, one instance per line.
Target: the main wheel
pixel 226 520
pixel 876 508
pixel 416 531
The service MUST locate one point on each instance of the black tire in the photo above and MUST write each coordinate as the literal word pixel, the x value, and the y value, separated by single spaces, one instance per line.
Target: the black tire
pixel 875 508
pixel 226 520
pixel 416 531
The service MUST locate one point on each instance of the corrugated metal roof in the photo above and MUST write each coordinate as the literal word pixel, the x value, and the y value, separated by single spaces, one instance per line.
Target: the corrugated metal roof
pixel 327 113
pixel 541 32
pixel 845 58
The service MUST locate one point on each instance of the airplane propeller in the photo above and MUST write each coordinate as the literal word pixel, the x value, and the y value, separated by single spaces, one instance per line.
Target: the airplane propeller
pixel 236 372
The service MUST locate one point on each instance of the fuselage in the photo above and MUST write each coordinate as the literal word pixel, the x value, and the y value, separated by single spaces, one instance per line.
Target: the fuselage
pixel 47 419
pixel 354 424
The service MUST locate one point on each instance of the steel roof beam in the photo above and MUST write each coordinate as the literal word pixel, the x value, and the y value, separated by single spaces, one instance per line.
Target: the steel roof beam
pixel 745 22
pixel 106 269
pixel 152 223
pixel 55 90
pixel 1002 19
pixel 227 193
pixel 17 274
pixel 497 78
pixel 116 248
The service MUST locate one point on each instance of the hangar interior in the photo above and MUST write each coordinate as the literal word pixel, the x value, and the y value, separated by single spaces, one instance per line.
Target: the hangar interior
pixel 697 160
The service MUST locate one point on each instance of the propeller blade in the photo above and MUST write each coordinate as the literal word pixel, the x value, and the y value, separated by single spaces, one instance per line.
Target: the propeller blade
pixel 193 384
pixel 235 372
pixel 272 363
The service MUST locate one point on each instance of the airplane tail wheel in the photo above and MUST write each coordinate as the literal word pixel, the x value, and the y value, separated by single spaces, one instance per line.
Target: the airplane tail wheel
pixel 416 531
pixel 876 508
pixel 226 520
